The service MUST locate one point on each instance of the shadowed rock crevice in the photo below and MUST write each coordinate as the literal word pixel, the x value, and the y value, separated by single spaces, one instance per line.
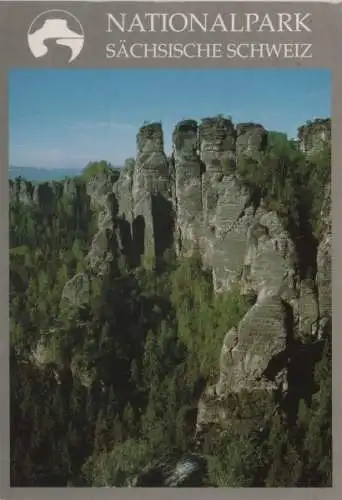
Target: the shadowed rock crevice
pixel 281 360
pixel 208 201
pixel 163 224
pixel 306 245
pixel 126 235
pixel 188 185
pixel 139 238
pixel 151 184
pixel 302 362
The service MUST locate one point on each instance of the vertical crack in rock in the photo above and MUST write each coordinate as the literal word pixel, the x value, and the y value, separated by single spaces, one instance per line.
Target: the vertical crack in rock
pixel 228 208
pixel 104 246
pixel 195 200
pixel 123 190
pixel 152 195
pixel 217 152
pixel 188 172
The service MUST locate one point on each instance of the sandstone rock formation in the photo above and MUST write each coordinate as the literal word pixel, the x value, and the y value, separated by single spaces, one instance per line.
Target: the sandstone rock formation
pixel 173 472
pixel 251 138
pixel 21 191
pixel 314 134
pixel 324 264
pixel 253 358
pixel 195 201
pixel 77 290
pixel 151 193
pixel 188 180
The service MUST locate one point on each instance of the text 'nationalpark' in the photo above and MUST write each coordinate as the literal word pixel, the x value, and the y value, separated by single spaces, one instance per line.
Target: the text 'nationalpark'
pixel 209 23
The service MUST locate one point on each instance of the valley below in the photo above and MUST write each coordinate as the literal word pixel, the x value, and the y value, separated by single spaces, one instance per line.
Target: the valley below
pixel 171 319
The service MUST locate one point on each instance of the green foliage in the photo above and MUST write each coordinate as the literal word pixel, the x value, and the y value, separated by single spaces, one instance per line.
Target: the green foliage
pixel 317 444
pixel 115 467
pixel 293 185
pixel 236 462
pixel 98 392
pixel 199 311
pixel 102 167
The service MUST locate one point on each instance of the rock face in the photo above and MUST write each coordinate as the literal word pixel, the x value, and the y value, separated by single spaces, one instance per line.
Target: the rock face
pixel 151 193
pixel 249 350
pixel 185 471
pixel 195 201
pixel 324 263
pixel 251 138
pixel 188 180
pixel 223 202
pixel 21 191
pixel 270 259
pixel 77 290
pixel 213 210
pixel 253 359
pixel 314 134
pixel 103 202
pixel 217 144
pixel 217 148
pixel 123 190
pixel 228 230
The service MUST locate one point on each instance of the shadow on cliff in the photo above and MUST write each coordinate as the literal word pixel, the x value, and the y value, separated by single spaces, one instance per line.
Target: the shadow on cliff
pixel 281 360
pixel 138 231
pixel 301 377
pixel 132 238
pixel 126 236
pixel 163 225
pixel 299 359
pixel 306 246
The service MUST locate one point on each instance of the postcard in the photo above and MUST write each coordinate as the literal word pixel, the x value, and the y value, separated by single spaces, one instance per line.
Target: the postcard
pixel 169 175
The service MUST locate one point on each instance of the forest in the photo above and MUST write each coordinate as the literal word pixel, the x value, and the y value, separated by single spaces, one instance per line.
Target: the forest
pixel 121 377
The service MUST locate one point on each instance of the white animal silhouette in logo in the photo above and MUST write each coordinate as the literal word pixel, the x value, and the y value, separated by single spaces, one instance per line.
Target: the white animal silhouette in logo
pixel 55 26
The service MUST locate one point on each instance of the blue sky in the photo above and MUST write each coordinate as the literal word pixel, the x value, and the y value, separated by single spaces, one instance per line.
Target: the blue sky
pixel 65 118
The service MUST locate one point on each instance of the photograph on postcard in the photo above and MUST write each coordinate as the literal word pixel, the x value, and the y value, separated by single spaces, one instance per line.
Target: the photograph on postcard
pixel 170 288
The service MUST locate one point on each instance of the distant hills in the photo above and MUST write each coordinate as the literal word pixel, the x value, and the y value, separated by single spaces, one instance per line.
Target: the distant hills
pixel 36 174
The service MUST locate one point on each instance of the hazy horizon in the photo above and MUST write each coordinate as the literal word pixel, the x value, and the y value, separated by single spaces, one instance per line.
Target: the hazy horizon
pixel 66 118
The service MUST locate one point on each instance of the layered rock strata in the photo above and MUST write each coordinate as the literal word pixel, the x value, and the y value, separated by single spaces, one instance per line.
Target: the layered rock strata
pixel 188 181
pixel 314 134
pixel 195 201
pixel 151 194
